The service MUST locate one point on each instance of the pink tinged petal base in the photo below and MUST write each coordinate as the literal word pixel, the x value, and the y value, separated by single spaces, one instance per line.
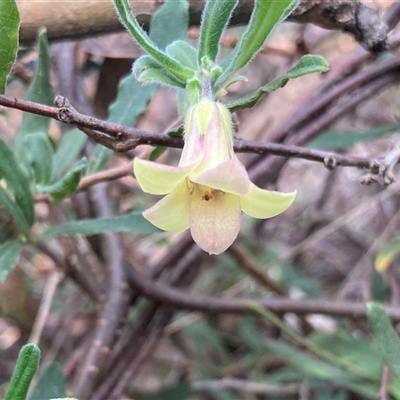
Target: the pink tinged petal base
pixel 230 176
pixel 214 218
pixel 260 203
pixel 172 212
pixel 157 178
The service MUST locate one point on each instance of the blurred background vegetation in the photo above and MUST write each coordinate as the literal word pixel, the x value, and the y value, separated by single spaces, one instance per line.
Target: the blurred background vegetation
pixel 100 305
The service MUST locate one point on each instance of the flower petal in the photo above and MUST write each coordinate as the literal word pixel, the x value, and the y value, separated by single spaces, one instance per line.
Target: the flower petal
pixel 214 218
pixel 260 203
pixel 230 176
pixel 157 178
pixel 172 212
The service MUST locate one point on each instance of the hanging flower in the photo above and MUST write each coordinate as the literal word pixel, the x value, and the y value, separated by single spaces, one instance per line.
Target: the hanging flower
pixel 210 188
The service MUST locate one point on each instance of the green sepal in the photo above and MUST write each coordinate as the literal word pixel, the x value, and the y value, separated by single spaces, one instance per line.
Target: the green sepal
pixel 307 64
pixel 9 28
pixel 65 186
pixel 215 18
pixel 27 365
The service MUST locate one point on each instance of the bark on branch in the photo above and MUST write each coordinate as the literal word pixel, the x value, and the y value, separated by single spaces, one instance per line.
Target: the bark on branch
pixel 72 19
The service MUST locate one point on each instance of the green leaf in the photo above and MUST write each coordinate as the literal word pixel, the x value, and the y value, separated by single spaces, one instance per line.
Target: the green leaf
pixel 180 72
pixel 333 140
pixel 15 212
pixel 39 154
pixel 147 70
pixel 216 16
pixel 32 143
pixel 311 366
pixel 16 181
pixel 156 153
pixel 40 90
pixel 184 53
pixel 71 144
pixel 27 365
pixel 170 23
pixel 386 337
pixel 9 256
pixel 9 27
pixel 133 223
pixel 51 384
pixel 265 16
pixel 307 64
pixel 67 185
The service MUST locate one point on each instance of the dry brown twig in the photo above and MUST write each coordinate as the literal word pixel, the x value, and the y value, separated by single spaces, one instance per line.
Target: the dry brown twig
pixel 121 139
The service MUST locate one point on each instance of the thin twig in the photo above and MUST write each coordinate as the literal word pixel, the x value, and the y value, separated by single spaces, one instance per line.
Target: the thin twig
pixel 44 309
pixel 113 308
pixel 214 305
pixel 121 138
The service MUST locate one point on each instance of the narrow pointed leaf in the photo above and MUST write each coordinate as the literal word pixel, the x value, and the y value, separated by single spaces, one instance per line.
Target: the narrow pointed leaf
pixel 323 370
pixel 334 140
pixel 169 23
pixel 40 90
pixel 67 185
pixel 15 211
pixel 9 256
pixel 386 337
pixel 131 24
pixel 39 155
pixel 132 223
pixel 9 28
pixel 71 144
pixel 32 143
pixel 307 64
pixel 27 365
pixel 16 181
pixel 216 16
pixel 265 16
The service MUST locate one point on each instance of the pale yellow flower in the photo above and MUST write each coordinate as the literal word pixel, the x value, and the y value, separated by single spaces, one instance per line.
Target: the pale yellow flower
pixel 210 188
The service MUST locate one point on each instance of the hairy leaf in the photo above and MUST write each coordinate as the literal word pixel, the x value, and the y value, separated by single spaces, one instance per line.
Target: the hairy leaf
pixel 216 16
pixel 307 64
pixel 265 16
pixel 27 365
